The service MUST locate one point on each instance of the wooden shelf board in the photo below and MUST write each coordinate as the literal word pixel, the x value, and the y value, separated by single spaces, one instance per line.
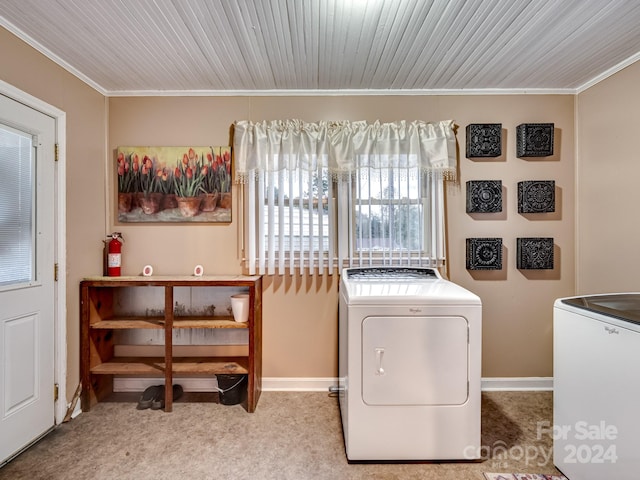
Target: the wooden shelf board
pixel 126 323
pixel 181 365
pixel 120 323
pixel 174 281
pixel 217 322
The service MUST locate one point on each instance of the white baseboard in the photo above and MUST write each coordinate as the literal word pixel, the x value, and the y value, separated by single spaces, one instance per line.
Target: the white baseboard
pixel 517 383
pixel 269 384
pixel 283 384
pixel 195 384
pixel 298 384
pixel 321 384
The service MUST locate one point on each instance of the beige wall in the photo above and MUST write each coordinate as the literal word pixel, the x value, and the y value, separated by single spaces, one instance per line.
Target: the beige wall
pixel 517 304
pixel 608 233
pixel 300 333
pixel 300 313
pixel 26 69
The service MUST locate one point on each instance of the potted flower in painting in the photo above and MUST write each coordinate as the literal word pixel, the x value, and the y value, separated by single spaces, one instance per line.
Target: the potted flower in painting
pixel 150 197
pixel 187 179
pixel 223 172
pixel 165 185
pixel 209 185
pixel 126 182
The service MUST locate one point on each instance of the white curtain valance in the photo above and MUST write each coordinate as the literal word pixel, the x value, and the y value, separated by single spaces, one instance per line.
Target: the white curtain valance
pixel 343 146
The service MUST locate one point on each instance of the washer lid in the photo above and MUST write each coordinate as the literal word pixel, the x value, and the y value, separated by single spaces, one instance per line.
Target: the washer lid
pixel 400 285
pixel 391 273
pixel 625 306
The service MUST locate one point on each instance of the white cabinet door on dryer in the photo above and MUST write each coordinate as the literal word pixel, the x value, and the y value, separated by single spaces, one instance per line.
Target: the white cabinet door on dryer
pixel 415 360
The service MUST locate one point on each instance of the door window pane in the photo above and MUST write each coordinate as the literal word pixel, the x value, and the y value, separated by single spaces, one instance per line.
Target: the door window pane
pixel 16 207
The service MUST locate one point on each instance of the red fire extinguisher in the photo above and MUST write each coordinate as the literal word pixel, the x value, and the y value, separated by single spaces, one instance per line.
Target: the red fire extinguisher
pixel 114 254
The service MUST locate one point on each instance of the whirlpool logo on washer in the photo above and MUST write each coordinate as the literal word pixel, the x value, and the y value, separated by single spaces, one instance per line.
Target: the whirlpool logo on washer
pixel 415 310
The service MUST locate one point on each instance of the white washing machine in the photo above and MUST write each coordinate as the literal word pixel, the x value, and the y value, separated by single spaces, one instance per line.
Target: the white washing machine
pixel 409 365
pixel 596 368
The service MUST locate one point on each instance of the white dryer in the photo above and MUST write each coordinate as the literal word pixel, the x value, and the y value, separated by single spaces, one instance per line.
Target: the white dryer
pixel 409 365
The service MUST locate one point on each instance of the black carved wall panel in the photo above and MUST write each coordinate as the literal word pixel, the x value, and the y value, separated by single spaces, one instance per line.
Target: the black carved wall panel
pixel 484 196
pixel 484 253
pixel 534 139
pixel 484 140
pixel 535 253
pixel 537 196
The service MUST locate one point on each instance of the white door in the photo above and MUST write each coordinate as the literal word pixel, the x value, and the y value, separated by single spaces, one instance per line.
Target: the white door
pixel 27 175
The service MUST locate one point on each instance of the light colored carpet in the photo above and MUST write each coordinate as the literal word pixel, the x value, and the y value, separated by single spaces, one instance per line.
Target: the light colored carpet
pixel 291 435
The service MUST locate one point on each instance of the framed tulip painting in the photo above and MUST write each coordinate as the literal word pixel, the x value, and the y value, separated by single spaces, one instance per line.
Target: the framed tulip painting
pixel 174 184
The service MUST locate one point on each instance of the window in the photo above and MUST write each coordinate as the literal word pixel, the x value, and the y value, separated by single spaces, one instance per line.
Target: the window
pixel 16 207
pixel 394 213
pixel 316 200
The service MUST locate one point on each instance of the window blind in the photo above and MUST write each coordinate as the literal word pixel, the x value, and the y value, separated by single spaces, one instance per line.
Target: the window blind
pixel 16 207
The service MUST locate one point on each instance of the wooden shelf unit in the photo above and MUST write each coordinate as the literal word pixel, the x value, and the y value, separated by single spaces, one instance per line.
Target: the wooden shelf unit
pixel 98 323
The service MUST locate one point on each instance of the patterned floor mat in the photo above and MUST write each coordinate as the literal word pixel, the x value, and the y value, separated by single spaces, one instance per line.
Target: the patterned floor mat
pixel 523 476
